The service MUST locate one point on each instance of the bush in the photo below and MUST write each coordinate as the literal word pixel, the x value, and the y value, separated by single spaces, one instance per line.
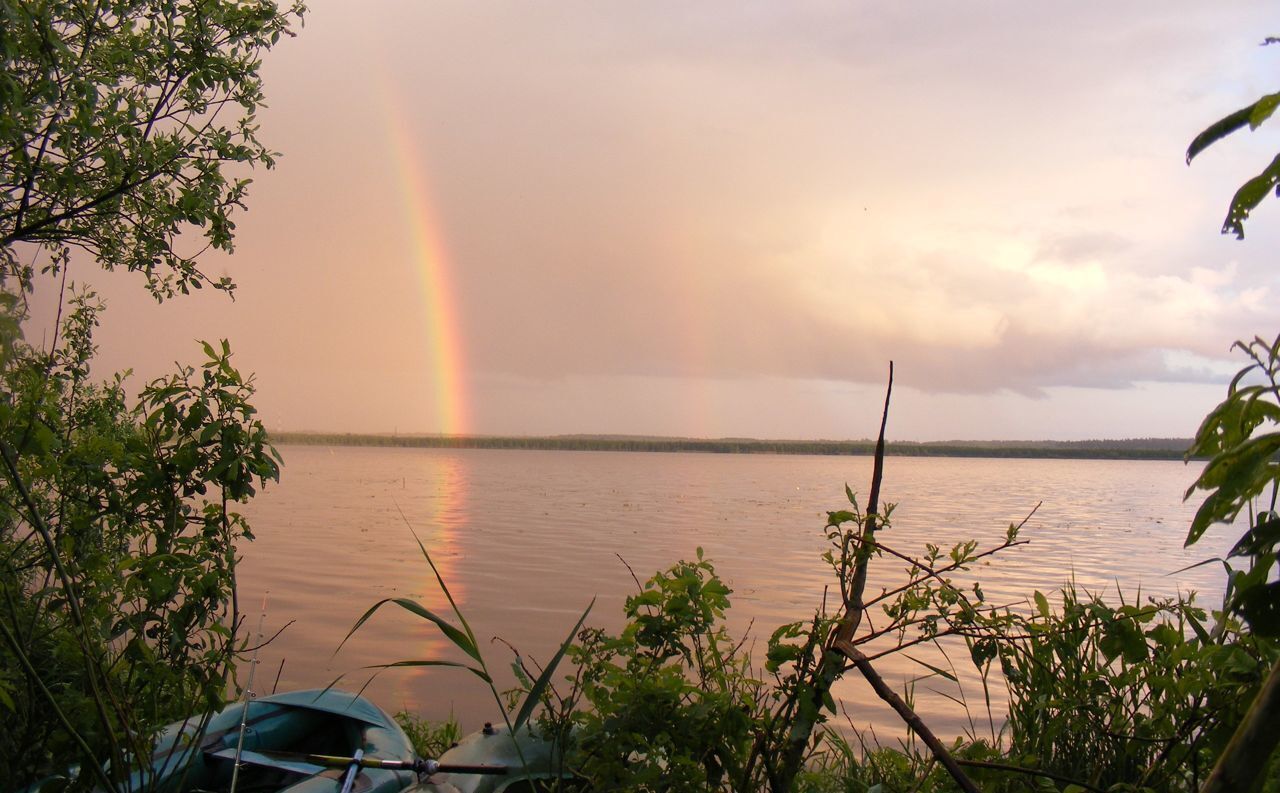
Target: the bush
pixel 670 703
pixel 118 549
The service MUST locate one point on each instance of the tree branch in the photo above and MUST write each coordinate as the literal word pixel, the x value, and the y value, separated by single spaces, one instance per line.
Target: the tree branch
pixel 909 716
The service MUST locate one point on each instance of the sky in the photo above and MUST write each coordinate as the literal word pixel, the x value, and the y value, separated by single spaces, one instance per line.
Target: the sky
pixel 724 219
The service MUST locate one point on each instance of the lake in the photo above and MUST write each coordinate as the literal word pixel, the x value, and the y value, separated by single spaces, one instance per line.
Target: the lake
pixel 525 540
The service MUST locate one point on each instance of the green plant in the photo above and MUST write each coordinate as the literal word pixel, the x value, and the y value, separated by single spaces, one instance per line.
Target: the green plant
pixel 1242 464
pixel 118 122
pixel 1141 696
pixel 118 547
pixel 429 738
pixel 670 702
pixel 1137 697
pixel 1241 438
pixel 1251 193
pixel 464 639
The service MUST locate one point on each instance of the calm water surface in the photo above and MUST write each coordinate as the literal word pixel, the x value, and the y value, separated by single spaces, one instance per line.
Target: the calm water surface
pixel 525 539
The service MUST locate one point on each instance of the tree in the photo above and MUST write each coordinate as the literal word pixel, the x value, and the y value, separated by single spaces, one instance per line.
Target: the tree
pixel 120 121
pixel 126 127
pixel 118 552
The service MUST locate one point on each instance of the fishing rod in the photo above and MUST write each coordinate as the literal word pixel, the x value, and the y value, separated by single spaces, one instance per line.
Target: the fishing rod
pixel 358 760
pixel 248 697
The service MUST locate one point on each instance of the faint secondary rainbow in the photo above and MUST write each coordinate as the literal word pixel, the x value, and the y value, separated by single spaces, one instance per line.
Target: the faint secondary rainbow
pixel 431 263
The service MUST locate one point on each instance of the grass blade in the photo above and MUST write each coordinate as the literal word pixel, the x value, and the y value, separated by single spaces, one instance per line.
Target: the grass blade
pixel 464 641
pixel 540 685
pixel 443 587
pixel 936 670
pixel 455 664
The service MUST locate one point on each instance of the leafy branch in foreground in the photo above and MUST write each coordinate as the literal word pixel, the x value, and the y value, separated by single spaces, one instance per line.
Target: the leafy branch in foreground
pixel 120 126
pixel 1241 437
pixel 1251 193
pixel 120 122
pixel 118 550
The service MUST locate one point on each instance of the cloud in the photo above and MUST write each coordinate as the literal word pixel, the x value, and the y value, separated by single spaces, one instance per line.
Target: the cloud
pixel 993 196
pixel 806 191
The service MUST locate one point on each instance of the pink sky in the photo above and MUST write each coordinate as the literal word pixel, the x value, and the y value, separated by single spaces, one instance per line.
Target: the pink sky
pixel 724 219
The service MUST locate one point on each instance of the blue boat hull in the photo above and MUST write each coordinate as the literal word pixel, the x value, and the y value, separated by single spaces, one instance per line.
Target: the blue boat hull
pixel 326 722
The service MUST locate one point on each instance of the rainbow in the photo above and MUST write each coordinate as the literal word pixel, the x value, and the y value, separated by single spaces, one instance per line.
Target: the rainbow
pixel 431 263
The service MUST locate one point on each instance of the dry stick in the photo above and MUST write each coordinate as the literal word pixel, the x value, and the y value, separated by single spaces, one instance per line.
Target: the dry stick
pixel 855 607
pixel 639 586
pixel 842 642
pixel 278 673
pixel 831 664
pixel 909 716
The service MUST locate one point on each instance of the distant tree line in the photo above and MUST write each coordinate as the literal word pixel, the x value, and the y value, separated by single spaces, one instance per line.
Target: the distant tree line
pixel 1129 449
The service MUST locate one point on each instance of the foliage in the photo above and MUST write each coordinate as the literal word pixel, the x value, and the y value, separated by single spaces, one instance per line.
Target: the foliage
pixel 669 703
pixel 1242 440
pixel 463 638
pixel 119 122
pixel 124 129
pixel 1241 436
pixel 429 738
pixel 1240 469
pixel 1134 697
pixel 118 548
pixel 1129 697
pixel 1251 193
pixel 1139 696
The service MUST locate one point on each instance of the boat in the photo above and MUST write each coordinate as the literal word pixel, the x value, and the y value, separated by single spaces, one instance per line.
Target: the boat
pixel 489 761
pixel 285 737
pixel 313 741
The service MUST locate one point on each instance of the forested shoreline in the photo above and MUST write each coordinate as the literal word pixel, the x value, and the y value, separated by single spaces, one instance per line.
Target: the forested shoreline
pixel 1130 449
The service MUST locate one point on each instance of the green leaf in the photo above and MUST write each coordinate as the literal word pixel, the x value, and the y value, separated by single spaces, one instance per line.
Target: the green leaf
pixel 1249 196
pixel 828 701
pixel 1262 109
pixel 1260 606
pixel 1219 130
pixel 936 670
pixel 1201 634
pixel 448 595
pixel 839 517
pixel 401 664
pixel 460 639
pixel 1042 604
pixel 1260 539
